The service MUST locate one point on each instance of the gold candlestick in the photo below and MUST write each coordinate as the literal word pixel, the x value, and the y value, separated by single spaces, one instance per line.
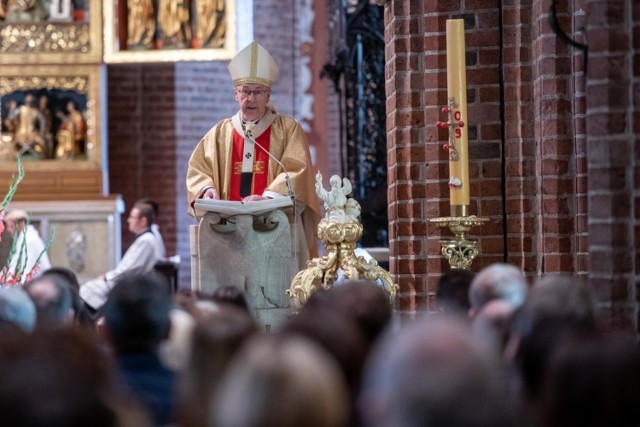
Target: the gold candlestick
pixel 460 251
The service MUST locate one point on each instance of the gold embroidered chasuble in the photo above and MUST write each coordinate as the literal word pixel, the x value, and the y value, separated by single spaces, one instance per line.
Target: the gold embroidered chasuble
pixel 211 166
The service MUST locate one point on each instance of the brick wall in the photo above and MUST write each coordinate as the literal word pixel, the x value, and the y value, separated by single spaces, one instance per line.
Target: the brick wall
pixel 538 128
pixel 141 151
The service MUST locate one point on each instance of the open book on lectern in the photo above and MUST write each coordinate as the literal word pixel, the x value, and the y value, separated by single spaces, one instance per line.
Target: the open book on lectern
pixel 226 208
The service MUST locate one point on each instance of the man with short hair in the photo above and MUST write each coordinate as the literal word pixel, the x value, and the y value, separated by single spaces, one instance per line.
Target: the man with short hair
pixel 141 257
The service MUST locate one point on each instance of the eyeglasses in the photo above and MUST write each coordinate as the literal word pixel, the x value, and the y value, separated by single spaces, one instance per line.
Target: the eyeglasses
pixel 246 93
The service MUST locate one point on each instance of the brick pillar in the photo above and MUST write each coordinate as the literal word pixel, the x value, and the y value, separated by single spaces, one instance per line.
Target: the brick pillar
pixel 613 129
pixel 554 181
pixel 405 134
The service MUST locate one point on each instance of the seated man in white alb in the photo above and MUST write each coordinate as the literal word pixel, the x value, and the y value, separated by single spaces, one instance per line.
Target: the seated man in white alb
pixel 140 258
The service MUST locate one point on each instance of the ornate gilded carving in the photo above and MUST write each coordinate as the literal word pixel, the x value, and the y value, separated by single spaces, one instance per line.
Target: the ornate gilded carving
pixel 44 38
pixel 13 83
pixel 339 231
pixel 460 251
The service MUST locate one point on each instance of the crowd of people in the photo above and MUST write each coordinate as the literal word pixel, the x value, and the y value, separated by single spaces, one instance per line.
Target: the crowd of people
pixel 503 353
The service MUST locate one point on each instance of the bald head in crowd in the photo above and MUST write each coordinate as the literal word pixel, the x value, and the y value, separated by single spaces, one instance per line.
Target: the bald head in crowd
pixel 497 281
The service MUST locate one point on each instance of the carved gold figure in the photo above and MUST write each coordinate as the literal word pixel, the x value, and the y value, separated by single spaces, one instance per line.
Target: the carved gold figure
pixel 71 134
pixel 210 22
pixel 141 26
pixel 29 128
pixel 173 22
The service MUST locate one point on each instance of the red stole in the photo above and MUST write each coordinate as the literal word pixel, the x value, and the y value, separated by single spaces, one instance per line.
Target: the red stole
pixel 260 164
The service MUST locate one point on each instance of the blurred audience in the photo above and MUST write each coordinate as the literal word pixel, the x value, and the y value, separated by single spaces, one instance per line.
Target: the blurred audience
pixel 432 373
pixel 281 382
pixel 557 309
pixel 60 378
pixel 528 357
pixel 215 342
pixel 339 335
pixel 136 321
pixel 592 381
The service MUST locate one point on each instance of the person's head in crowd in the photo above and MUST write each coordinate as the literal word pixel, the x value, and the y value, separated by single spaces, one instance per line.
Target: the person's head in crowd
pixel 67 276
pixel 56 377
pixel 53 299
pixel 215 341
pixel 17 310
pixel 231 295
pixel 339 335
pixel 136 314
pixel 281 382
pixel 452 294
pixel 593 381
pixel 497 281
pixel 253 71
pixel 364 301
pixel 557 308
pixel 434 373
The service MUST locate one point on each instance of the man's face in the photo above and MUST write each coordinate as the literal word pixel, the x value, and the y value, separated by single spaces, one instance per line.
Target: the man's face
pixel 136 222
pixel 253 100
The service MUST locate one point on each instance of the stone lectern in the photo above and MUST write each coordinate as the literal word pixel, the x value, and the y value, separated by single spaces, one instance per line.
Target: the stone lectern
pixel 247 245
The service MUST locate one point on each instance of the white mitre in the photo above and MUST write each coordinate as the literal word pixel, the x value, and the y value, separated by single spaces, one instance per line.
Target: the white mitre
pixel 253 65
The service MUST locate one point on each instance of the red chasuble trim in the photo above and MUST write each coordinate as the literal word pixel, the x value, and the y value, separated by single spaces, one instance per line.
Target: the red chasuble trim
pixel 260 164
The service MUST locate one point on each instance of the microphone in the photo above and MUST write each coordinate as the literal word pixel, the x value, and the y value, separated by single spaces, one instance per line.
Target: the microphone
pixel 287 180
